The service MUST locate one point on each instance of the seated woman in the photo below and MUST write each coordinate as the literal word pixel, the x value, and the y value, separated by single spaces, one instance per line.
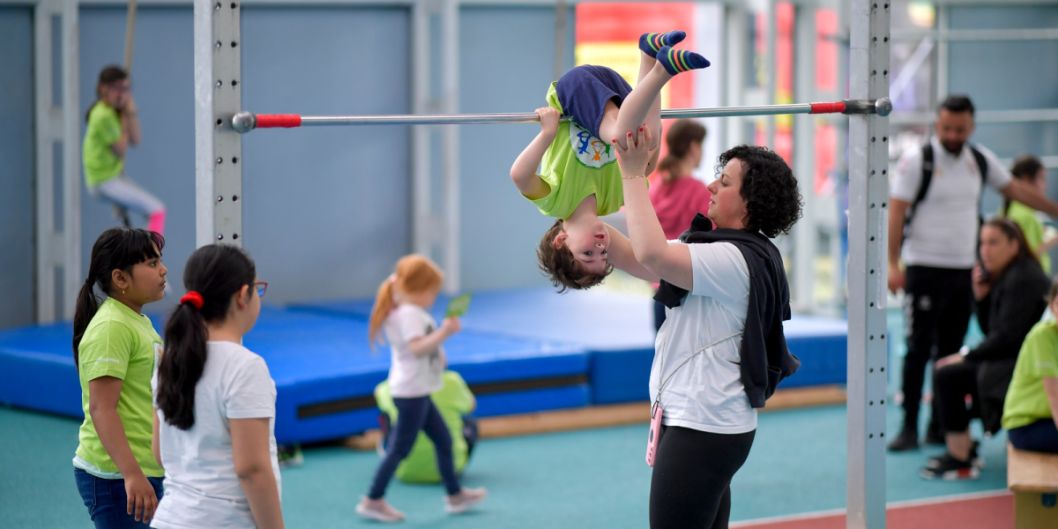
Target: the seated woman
pixel 1030 414
pixel 1006 285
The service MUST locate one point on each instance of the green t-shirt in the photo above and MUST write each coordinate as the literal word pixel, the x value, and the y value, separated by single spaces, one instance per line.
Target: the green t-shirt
pixel 123 344
pixel 577 165
pixel 453 400
pixel 100 161
pixel 1026 219
pixel 1026 401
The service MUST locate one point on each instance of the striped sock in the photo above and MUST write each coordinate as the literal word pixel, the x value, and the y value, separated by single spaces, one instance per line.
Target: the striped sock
pixel 650 43
pixel 676 61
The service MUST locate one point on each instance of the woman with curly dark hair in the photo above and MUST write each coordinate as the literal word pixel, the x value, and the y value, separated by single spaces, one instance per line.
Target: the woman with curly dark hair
pixel 721 351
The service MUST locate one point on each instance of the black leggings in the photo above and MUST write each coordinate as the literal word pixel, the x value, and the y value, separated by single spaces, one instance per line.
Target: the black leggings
pixel 690 486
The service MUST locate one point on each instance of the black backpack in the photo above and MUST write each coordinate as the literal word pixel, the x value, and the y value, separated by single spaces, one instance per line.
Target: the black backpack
pixel 927 178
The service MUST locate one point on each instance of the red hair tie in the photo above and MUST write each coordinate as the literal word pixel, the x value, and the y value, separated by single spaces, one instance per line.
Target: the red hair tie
pixel 194 298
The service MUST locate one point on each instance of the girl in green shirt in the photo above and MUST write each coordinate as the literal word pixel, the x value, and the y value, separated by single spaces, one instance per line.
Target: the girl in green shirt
pixel 1030 169
pixel 115 348
pixel 113 127
pixel 1030 410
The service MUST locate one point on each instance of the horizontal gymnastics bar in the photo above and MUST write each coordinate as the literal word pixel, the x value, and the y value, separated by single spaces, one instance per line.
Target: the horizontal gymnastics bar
pixel 246 121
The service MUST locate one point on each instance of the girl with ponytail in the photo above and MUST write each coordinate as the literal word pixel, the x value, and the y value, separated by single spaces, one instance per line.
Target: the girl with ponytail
pixel 678 196
pixel 216 402
pixel 115 348
pixel 401 311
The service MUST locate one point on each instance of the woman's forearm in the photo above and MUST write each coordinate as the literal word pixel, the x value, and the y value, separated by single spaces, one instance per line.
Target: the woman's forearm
pixel 262 493
pixel 644 229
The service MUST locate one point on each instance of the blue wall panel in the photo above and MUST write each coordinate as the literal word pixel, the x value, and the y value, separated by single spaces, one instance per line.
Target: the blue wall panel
pixel 17 200
pixel 326 211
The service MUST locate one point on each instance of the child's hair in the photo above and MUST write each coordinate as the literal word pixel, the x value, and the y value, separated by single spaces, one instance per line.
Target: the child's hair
pixel 115 249
pixel 1026 167
pixel 561 267
pixel 681 135
pixel 413 274
pixel 216 272
pixel 109 74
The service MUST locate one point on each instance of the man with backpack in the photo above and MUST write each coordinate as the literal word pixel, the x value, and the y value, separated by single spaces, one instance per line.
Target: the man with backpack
pixel 934 217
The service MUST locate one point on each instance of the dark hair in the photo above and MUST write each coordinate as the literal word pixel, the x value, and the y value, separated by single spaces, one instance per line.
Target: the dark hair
pixel 957 103
pixel 1026 167
pixel 561 267
pixel 216 271
pixel 681 135
pixel 109 74
pixel 1013 232
pixel 115 249
pixel 773 201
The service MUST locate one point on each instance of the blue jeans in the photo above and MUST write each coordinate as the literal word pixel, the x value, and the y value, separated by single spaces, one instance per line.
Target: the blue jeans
pixel 106 500
pixel 414 415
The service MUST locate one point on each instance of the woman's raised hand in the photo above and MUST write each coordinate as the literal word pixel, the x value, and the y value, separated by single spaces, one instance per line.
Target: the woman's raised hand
pixel 634 157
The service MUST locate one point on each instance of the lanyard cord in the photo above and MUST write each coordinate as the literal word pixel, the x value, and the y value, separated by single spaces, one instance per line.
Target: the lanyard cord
pixel 661 366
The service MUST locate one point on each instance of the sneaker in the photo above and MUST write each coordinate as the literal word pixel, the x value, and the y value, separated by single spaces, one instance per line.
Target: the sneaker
pixel 289 456
pixel 975 458
pixel 907 440
pixel 465 499
pixel 379 510
pixel 950 468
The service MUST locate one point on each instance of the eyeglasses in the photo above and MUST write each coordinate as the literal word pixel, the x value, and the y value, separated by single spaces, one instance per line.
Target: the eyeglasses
pixel 261 287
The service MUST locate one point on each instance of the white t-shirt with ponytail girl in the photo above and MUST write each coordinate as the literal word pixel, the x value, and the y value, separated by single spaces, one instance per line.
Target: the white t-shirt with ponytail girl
pixel 201 488
pixel 412 375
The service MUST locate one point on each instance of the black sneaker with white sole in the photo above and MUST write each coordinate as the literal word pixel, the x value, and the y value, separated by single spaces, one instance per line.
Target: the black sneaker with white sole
pixel 975 458
pixel 950 468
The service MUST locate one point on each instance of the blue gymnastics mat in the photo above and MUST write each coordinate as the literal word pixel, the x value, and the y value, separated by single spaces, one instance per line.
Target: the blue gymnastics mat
pixel 325 372
pixel 617 330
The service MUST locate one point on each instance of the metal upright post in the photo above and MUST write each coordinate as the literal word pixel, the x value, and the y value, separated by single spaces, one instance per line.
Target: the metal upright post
pixel 868 213
pixel 806 231
pixel 57 132
pixel 450 250
pixel 218 148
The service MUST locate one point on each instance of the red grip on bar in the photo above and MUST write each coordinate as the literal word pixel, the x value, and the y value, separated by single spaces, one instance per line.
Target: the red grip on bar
pixel 268 121
pixel 827 108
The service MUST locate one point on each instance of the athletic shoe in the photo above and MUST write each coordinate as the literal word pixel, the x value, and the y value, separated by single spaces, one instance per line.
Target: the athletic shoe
pixel 379 510
pixel 975 458
pixel 465 499
pixel 950 468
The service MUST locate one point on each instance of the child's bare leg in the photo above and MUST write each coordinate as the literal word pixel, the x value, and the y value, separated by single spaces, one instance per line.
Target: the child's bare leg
pixel 643 101
pixel 649 44
pixel 653 118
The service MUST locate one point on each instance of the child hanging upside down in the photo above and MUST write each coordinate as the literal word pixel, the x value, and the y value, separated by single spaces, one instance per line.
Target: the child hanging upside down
pixel 578 179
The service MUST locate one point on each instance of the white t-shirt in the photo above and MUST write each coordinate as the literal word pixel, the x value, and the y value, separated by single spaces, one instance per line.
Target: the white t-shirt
pixel 943 232
pixel 704 335
pixel 201 488
pixel 411 375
